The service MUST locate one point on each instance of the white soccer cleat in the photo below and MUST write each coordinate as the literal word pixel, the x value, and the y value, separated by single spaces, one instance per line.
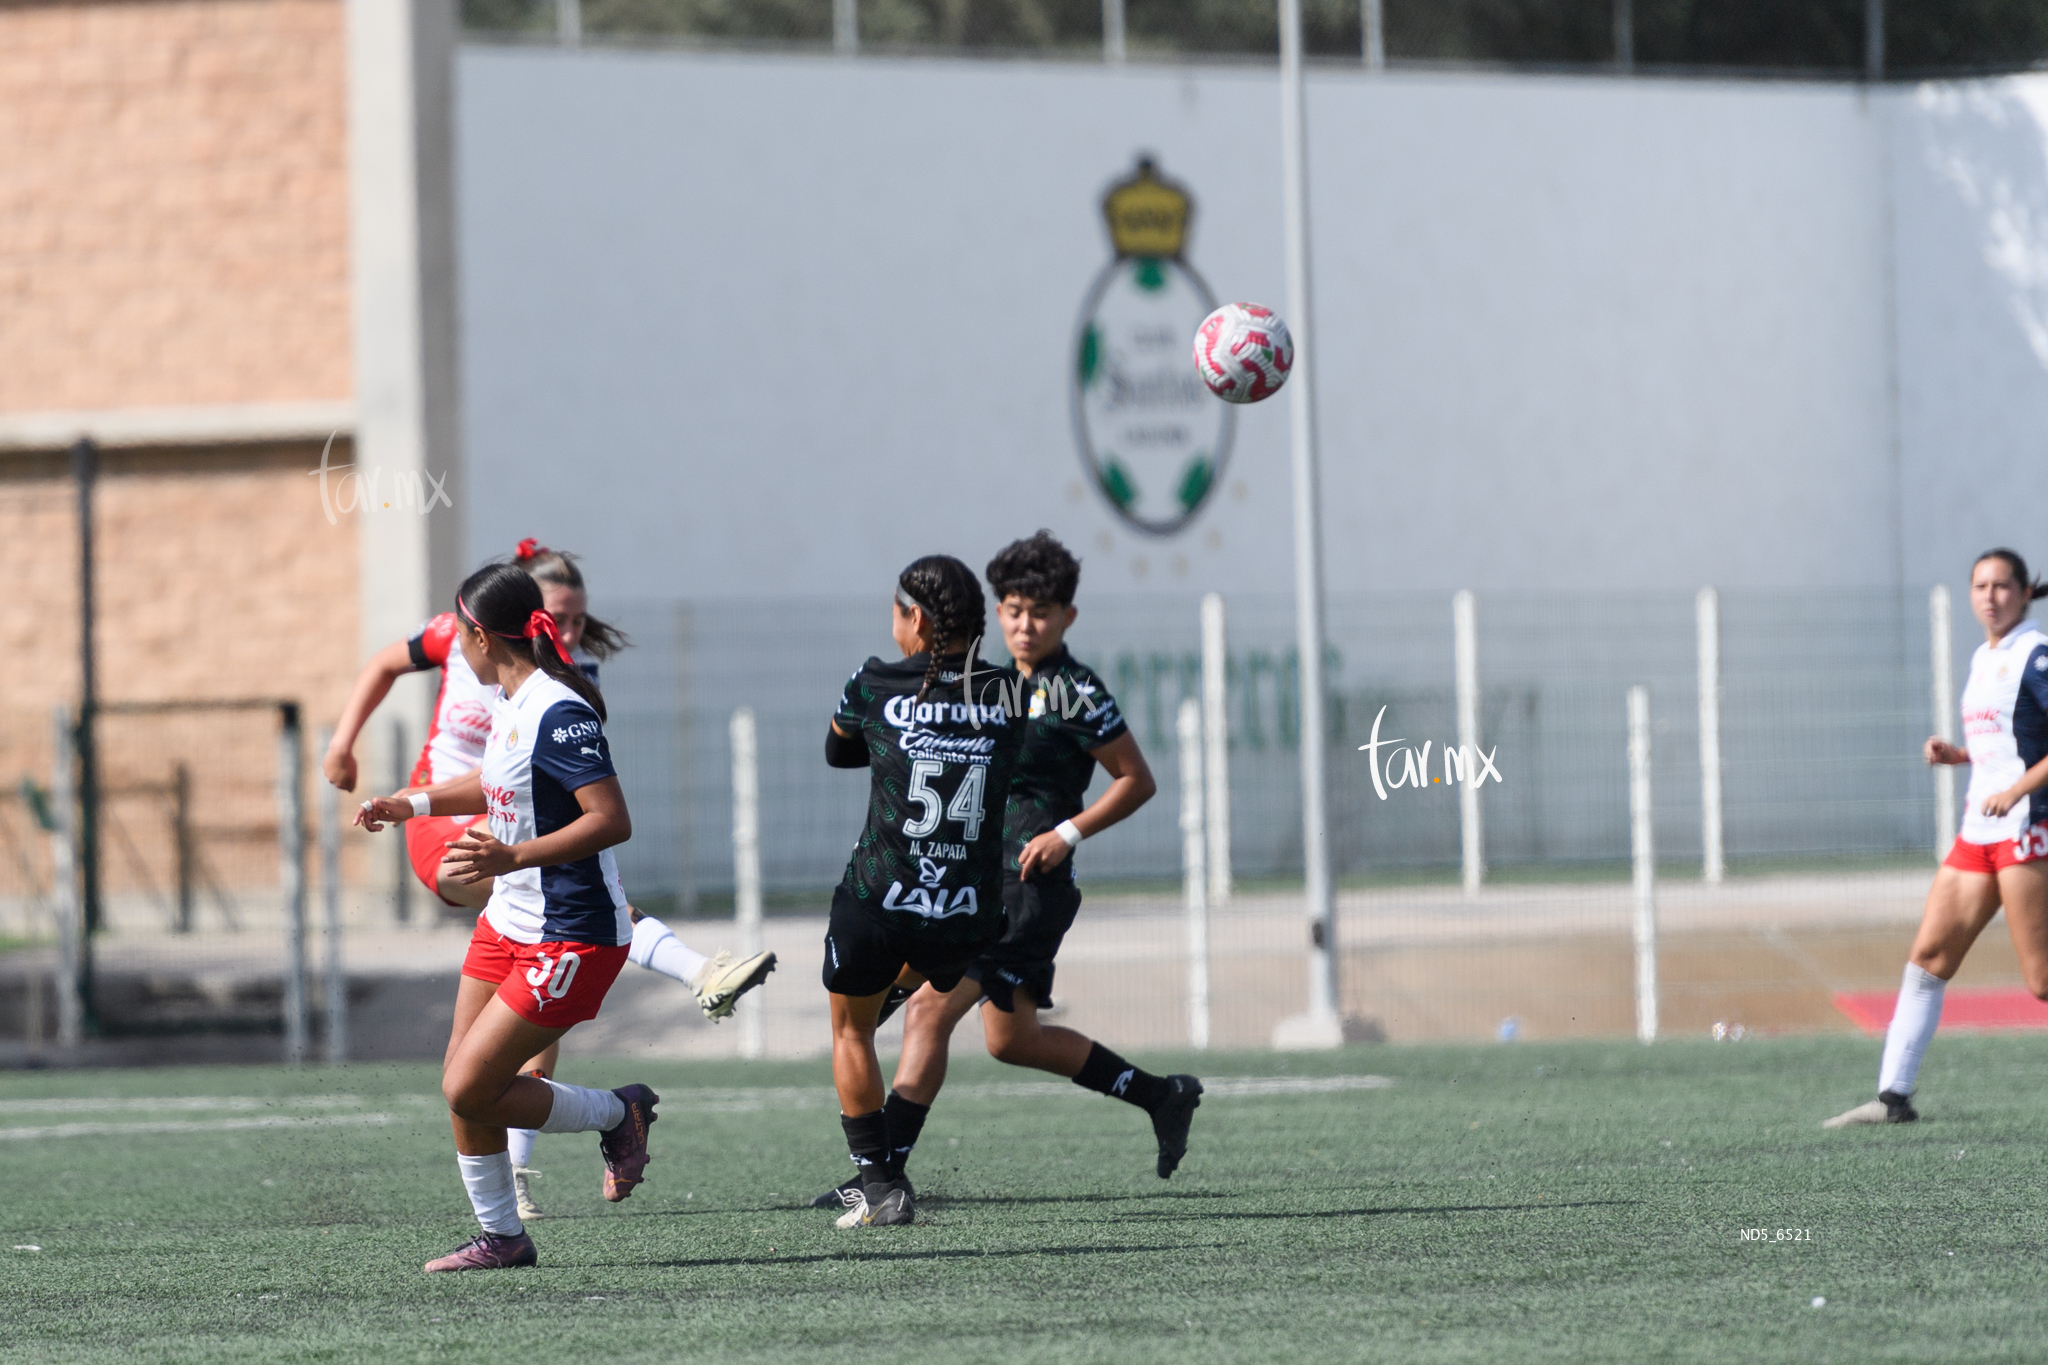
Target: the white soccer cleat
pixel 855 1214
pixel 528 1210
pixel 722 981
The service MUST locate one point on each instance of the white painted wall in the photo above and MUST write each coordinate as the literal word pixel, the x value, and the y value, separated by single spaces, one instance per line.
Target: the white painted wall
pixel 774 325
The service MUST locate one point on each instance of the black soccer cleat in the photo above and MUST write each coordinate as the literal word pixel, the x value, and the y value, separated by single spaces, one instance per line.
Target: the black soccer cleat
pixel 891 1003
pixel 889 1205
pixel 839 1197
pixel 1171 1119
pixel 1888 1107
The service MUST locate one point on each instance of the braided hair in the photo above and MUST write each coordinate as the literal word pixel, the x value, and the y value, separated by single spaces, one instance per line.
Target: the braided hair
pixel 2035 588
pixel 951 599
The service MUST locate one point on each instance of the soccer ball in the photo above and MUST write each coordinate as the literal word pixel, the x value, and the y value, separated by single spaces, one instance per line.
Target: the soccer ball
pixel 1243 352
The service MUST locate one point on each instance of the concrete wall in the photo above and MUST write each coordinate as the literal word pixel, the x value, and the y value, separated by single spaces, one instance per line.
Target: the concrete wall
pixel 773 325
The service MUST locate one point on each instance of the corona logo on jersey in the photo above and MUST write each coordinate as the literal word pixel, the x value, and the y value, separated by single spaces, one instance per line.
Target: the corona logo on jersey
pixel 1152 440
pixel 906 713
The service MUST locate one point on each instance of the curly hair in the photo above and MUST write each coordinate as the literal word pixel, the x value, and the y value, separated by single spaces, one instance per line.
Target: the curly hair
pixel 951 598
pixel 1040 568
pixel 600 640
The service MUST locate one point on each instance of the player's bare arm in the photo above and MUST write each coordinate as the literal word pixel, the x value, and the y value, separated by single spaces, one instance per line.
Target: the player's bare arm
pixel 373 684
pixel 476 856
pixel 1131 786
pixel 2001 802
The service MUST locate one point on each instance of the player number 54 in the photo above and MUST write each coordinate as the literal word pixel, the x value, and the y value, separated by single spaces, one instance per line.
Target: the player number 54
pixel 966 805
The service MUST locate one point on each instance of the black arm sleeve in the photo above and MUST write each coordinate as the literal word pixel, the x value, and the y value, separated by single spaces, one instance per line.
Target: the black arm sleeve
pixel 844 752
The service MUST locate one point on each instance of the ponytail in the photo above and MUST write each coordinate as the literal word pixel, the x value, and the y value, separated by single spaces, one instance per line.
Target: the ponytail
pixel 504 600
pixel 600 638
pixel 950 597
pixel 2036 588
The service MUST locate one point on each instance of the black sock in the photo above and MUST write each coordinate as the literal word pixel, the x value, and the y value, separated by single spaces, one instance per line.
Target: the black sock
pixel 867 1140
pixel 906 1121
pixel 1106 1073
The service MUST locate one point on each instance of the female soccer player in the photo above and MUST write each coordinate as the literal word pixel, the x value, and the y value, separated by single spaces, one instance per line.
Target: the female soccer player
pixel 1072 724
pixel 922 895
pixel 462 717
pixel 2000 857
pixel 553 934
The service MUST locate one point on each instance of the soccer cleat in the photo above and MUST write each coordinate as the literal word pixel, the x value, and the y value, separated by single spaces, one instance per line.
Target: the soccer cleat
pixel 839 1196
pixel 1886 1108
pixel 855 1212
pixel 528 1210
pixel 625 1147
pixel 892 1002
pixel 893 1206
pixel 488 1251
pixel 722 981
pixel 1171 1119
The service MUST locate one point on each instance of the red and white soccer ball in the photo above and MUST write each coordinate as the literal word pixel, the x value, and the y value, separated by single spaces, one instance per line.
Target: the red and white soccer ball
pixel 1243 352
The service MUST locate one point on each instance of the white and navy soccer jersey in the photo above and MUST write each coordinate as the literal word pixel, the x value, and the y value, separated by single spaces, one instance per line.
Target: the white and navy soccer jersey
pixel 462 708
pixel 2005 728
pixel 545 744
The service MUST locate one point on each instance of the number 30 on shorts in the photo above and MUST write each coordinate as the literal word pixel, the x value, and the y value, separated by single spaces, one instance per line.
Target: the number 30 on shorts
pixel 554 975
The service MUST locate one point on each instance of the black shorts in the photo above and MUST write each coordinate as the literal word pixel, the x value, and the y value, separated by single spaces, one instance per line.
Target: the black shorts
pixel 863 955
pixel 1037 915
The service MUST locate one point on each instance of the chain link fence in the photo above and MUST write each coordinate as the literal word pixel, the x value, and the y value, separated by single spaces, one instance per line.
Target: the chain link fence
pixel 1825 38
pixel 1828 820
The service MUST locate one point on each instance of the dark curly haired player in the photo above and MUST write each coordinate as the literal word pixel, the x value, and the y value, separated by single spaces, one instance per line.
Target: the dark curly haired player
pixel 1072 724
pixel 921 899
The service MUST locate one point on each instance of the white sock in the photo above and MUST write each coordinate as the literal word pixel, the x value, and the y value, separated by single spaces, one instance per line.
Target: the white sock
pixel 489 1182
pixel 656 948
pixel 1912 1028
pixel 579 1109
pixel 521 1142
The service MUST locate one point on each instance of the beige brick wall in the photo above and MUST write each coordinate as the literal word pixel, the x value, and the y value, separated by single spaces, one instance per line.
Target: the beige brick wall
pixel 173 203
pixel 218 576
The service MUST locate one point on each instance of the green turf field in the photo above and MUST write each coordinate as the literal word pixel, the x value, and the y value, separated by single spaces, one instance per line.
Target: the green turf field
pixel 1574 1202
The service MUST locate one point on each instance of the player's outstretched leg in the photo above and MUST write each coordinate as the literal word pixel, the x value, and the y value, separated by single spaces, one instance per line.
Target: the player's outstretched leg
pixel 718 981
pixel 1959 904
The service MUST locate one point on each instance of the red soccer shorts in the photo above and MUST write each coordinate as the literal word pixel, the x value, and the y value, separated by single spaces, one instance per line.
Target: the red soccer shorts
pixel 550 984
pixel 1991 859
pixel 426 843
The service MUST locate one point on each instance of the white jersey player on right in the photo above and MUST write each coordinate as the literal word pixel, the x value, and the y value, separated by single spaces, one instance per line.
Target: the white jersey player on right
pixel 2001 856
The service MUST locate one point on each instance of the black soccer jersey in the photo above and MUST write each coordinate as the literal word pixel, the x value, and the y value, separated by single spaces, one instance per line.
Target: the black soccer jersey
pixel 1069 712
pixel 929 862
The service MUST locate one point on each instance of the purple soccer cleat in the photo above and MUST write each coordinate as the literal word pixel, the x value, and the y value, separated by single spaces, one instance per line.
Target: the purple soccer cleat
pixel 488 1251
pixel 625 1147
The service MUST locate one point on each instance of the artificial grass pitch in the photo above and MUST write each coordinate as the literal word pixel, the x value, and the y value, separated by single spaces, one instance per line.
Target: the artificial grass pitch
pixel 1568 1202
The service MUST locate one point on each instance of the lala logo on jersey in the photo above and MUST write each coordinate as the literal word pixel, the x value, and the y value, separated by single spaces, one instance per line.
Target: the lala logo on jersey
pixel 931 904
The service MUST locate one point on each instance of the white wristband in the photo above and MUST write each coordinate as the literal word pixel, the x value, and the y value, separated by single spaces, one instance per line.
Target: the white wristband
pixel 1066 830
pixel 422 804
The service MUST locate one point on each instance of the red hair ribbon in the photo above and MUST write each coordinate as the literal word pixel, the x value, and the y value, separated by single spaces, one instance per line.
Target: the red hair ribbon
pixel 529 548
pixel 540 625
